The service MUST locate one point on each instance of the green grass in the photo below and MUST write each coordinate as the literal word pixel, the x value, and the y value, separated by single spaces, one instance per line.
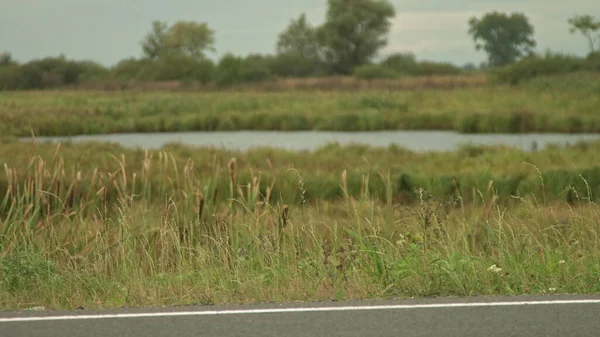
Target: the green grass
pixel 332 171
pixel 97 225
pixel 567 103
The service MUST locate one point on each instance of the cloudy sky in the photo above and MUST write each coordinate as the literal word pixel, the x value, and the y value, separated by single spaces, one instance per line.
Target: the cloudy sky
pixel 110 30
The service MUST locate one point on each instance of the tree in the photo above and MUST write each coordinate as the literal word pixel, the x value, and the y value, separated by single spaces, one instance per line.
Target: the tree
pixel 154 42
pixel 184 38
pixel 298 50
pixel 354 31
pixel 299 39
pixel 586 25
pixel 505 38
pixel 6 59
pixel 190 39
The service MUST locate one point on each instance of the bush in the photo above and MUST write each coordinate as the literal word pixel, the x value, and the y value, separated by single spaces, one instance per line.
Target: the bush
pixel 403 63
pixel 57 71
pixel 92 71
pixel 373 71
pixel 234 69
pixel 30 76
pixel 49 72
pixel 11 78
pixel 286 65
pixel 131 69
pixel 255 68
pixel 534 66
pixel 592 61
pixel 229 70
pixel 428 68
pixel 406 64
pixel 182 68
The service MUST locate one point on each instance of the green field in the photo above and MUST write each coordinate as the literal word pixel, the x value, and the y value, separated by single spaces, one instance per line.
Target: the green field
pixel 566 103
pixel 97 225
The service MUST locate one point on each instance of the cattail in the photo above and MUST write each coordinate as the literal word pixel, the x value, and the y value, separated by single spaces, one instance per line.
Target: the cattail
pixel 284 217
pixel 231 166
pixel 200 206
pixel 345 183
pixel 268 194
pixel 215 195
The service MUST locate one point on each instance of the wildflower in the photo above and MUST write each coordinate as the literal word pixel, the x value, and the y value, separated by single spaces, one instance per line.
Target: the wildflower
pixel 495 269
pixel 561 262
pixel 36 309
pixel 551 289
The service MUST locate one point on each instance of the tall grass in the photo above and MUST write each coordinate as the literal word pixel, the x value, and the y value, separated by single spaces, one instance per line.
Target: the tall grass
pixel 331 83
pixel 559 104
pixel 152 229
pixel 511 172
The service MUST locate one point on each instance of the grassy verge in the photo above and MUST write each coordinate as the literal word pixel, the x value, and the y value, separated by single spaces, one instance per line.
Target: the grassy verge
pixel 178 226
pixel 558 104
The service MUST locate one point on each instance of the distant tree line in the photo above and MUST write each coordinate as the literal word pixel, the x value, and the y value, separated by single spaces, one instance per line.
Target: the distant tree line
pixel 347 43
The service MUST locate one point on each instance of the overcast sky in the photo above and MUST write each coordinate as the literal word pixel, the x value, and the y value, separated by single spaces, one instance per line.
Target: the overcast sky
pixel 110 30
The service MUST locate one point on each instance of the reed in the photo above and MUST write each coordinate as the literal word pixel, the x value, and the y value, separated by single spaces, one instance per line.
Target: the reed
pixel 559 104
pixel 155 228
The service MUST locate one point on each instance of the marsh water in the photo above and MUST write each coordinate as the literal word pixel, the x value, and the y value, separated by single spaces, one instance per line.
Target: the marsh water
pixel 311 140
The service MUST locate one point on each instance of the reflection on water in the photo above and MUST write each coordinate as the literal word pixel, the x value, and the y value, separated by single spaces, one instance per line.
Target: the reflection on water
pixel 309 140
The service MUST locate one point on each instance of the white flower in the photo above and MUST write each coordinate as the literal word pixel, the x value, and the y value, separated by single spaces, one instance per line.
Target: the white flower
pixel 401 240
pixel 495 269
pixel 561 262
pixel 551 289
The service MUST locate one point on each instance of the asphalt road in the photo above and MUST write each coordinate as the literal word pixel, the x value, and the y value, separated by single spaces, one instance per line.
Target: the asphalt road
pixel 564 316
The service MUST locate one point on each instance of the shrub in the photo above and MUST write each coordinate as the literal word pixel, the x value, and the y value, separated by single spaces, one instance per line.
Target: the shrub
pixel 11 78
pixel 534 66
pixel 131 69
pixel 428 68
pixel 406 64
pixel 44 73
pixel 92 71
pixel 56 71
pixel 229 70
pixel 233 69
pixel 31 76
pixel 182 68
pixel 402 63
pixel 374 71
pixel 255 68
pixel 592 61
pixel 286 65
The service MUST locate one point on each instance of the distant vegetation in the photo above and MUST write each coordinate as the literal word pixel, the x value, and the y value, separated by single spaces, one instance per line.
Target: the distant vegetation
pixel 567 103
pixel 337 48
pixel 550 64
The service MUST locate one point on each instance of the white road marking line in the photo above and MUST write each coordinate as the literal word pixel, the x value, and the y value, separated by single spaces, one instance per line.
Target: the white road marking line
pixel 293 310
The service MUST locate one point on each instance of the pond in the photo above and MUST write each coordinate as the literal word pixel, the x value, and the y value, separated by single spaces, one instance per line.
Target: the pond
pixel 310 140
